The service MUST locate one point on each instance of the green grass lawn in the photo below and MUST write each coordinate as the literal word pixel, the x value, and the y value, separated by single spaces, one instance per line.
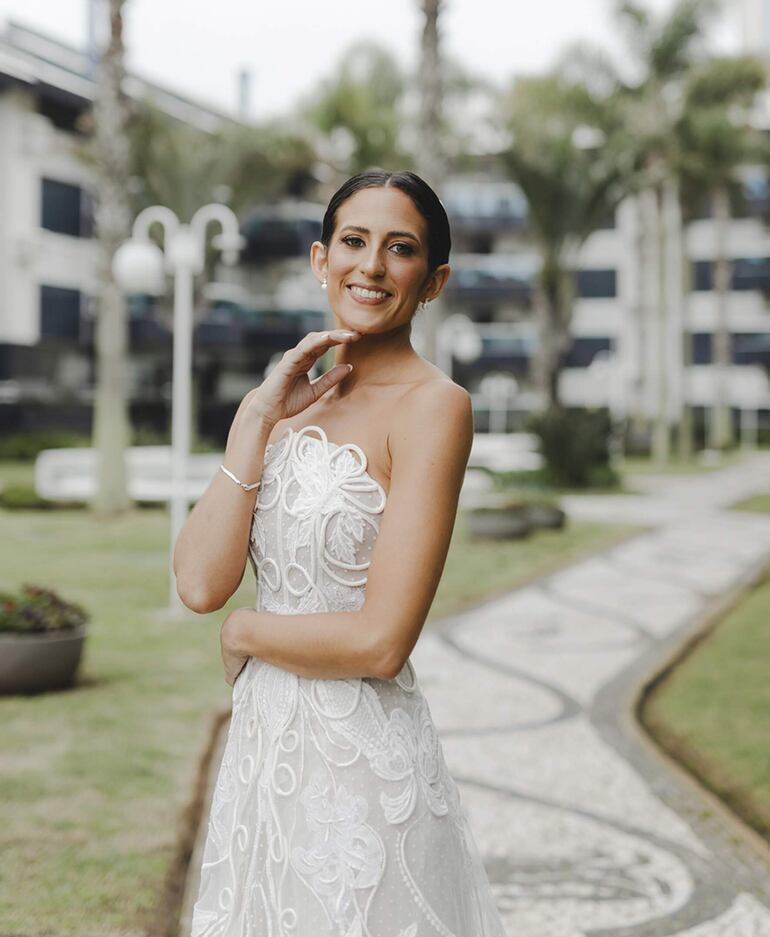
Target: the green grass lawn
pixel 94 780
pixel 713 711
pixel 16 473
pixel 760 503
pixel 695 464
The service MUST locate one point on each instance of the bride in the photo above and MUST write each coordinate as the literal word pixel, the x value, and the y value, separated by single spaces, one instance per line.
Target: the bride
pixel 333 811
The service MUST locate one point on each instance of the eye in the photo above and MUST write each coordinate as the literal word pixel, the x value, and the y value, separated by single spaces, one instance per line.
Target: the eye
pixel 407 248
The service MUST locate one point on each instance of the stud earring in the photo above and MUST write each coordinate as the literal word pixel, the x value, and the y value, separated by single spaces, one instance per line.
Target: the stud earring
pixel 323 283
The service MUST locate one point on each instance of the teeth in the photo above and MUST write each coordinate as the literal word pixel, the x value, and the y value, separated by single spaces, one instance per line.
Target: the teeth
pixel 368 294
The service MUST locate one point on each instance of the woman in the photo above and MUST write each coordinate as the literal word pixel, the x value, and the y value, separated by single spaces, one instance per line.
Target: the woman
pixel 334 812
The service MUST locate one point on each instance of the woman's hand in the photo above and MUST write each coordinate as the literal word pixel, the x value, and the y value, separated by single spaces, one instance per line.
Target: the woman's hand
pixel 233 658
pixel 288 390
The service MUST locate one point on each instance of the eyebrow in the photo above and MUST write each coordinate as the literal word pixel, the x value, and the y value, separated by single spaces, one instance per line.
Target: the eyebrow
pixel 398 234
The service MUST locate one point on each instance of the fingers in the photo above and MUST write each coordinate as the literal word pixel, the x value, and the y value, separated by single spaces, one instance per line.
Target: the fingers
pixel 314 344
pixel 327 380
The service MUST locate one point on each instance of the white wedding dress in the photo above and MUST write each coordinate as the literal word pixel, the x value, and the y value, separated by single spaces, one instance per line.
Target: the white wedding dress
pixel 333 811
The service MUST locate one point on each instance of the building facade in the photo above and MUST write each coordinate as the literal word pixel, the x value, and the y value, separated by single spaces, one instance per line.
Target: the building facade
pixel 48 274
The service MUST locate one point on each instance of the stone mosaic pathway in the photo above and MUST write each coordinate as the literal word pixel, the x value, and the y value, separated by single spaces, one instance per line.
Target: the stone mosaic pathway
pixel 585 829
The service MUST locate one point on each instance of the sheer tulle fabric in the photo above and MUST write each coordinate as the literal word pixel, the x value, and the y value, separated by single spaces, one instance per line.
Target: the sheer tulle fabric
pixel 333 811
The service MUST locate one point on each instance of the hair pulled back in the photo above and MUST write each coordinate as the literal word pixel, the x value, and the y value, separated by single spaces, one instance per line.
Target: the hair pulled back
pixel 422 195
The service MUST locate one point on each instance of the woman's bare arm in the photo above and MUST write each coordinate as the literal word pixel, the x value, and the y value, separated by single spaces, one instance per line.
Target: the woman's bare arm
pixel 430 451
pixel 212 548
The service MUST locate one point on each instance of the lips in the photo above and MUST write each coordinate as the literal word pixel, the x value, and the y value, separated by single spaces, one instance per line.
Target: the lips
pixel 374 289
pixel 367 300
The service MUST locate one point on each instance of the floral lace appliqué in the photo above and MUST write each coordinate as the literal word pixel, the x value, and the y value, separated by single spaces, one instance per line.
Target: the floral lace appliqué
pixel 345 856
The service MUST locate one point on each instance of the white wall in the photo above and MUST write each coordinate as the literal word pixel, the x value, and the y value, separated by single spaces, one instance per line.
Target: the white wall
pixel 30 149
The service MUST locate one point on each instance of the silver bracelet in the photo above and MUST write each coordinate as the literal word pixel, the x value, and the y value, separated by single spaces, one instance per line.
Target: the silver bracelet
pixel 239 482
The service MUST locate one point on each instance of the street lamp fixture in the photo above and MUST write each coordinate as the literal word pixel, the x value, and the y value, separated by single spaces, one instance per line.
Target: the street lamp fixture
pixel 457 337
pixel 138 266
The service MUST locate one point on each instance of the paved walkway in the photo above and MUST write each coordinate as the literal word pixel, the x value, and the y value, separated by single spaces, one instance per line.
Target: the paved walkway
pixel 584 826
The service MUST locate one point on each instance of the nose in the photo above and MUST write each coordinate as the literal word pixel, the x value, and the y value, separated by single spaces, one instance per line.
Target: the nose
pixel 372 264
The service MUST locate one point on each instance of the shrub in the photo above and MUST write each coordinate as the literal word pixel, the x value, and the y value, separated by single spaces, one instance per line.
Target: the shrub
pixel 19 497
pixel 24 447
pixel 575 446
pixel 34 609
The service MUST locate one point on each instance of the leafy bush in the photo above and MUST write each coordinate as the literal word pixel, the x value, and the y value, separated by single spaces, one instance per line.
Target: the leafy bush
pixel 506 498
pixel 575 446
pixel 144 436
pixel 518 479
pixel 19 497
pixel 34 609
pixel 24 447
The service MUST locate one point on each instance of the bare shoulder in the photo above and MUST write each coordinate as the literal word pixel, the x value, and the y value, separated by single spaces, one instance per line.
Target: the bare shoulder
pixel 437 414
pixel 436 392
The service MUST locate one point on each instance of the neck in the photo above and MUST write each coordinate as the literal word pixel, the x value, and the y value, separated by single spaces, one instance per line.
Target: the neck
pixel 376 358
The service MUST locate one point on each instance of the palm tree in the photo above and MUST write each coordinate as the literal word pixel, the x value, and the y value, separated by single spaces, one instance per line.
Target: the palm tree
pixel 181 166
pixel 571 158
pixel 714 140
pixel 431 154
pixel 356 111
pixel 664 50
pixel 111 155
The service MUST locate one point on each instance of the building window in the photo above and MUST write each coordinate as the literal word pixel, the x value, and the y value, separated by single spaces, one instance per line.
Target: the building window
pixel 701 279
pixel 596 284
pixel 66 209
pixel 480 244
pixel 701 348
pixel 607 222
pixel 583 350
pixel 746 273
pixel 751 273
pixel 62 115
pixel 751 348
pixel 59 313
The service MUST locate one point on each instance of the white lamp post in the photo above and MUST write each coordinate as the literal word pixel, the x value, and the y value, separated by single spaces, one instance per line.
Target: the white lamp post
pixel 750 393
pixel 500 389
pixel 138 266
pixel 606 371
pixel 457 337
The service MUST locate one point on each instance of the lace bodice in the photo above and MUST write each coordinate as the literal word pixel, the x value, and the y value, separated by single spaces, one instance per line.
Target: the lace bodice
pixel 315 523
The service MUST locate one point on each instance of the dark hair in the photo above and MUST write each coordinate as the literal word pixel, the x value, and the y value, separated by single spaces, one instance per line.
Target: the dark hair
pixel 425 201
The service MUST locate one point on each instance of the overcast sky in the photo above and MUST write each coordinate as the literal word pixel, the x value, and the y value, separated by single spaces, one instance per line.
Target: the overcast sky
pixel 197 47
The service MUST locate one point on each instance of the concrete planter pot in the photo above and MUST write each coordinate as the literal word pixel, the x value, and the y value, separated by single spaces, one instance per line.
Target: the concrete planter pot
pixel 34 662
pixel 544 515
pixel 499 523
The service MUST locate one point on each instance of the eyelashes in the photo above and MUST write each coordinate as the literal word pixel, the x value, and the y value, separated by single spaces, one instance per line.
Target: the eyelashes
pixel 404 253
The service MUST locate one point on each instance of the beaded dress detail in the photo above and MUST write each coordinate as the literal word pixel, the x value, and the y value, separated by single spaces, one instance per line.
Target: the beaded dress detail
pixel 333 813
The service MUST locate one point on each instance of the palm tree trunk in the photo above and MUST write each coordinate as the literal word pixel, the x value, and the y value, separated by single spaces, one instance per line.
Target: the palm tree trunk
pixel 648 303
pixel 687 429
pixel 430 152
pixel 550 301
pixel 674 308
pixel 637 319
pixel 721 421
pixel 661 441
pixel 111 424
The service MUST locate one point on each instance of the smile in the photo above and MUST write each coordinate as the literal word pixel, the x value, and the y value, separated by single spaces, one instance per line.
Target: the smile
pixel 368 297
